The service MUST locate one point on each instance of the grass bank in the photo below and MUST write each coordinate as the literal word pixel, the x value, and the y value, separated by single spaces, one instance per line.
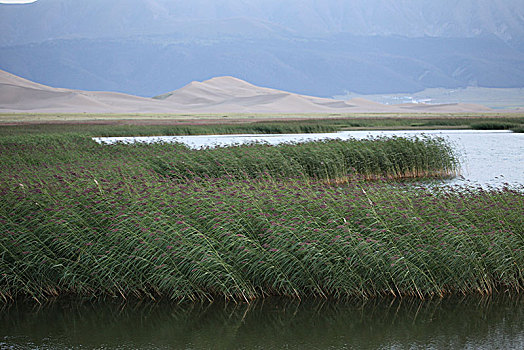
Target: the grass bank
pixel 78 218
pixel 498 125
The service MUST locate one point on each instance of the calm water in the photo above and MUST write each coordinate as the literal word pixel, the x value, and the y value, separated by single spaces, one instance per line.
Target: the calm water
pixel 487 157
pixel 471 323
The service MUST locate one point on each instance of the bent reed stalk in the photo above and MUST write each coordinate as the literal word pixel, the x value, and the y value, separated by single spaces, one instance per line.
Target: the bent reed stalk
pixel 82 219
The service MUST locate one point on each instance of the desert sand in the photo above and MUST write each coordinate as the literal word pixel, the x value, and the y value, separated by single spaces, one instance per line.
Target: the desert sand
pixel 219 95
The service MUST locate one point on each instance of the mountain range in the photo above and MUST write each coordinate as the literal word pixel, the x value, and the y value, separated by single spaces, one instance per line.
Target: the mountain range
pixel 146 47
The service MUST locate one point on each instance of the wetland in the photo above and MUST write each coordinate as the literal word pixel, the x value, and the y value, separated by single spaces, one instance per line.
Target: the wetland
pixel 146 241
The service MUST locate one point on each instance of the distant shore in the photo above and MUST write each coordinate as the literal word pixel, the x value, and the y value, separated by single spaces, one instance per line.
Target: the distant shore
pixel 186 124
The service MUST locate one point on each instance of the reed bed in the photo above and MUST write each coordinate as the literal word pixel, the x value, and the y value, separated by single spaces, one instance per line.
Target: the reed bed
pixel 333 160
pixel 249 239
pixel 77 218
pixel 182 128
pixel 519 128
pixel 494 125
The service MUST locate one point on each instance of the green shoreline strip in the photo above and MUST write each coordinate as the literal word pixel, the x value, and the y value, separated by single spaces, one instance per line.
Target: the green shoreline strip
pixel 135 126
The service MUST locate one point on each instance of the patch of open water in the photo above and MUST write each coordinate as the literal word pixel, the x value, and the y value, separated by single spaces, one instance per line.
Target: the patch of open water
pixel 449 323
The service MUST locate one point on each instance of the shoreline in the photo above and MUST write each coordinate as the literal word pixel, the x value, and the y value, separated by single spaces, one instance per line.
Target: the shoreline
pixel 189 119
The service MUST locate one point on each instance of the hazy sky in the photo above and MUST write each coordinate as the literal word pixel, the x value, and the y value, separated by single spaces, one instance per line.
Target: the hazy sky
pixel 16 1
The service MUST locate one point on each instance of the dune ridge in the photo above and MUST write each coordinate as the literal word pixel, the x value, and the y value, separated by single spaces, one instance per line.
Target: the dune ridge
pixel 214 96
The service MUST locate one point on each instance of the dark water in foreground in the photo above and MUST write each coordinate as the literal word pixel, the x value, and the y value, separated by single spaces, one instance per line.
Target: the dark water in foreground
pixel 451 323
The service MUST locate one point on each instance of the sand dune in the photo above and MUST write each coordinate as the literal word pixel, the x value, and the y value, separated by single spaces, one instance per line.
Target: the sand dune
pixel 215 96
pixel 21 95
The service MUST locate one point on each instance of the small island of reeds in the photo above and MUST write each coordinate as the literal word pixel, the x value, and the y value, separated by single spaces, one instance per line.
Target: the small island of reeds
pixel 326 219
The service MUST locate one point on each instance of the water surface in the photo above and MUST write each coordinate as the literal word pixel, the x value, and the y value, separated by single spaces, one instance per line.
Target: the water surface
pixel 451 323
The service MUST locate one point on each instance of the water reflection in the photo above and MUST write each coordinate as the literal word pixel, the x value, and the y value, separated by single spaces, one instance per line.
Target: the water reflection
pixel 451 323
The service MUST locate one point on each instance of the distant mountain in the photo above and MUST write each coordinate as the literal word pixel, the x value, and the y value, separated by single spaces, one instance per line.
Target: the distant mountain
pixel 321 48
pixel 66 19
pixel 323 67
pixel 218 95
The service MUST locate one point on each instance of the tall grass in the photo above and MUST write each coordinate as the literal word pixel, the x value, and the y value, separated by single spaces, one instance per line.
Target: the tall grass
pixel 332 160
pixel 182 128
pixel 167 127
pixel 90 220
pixel 493 125
pixel 148 236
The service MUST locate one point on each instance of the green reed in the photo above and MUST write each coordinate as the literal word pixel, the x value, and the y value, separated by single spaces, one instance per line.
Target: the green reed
pixel 332 160
pixel 243 125
pixel 493 125
pixel 203 239
pixel 78 218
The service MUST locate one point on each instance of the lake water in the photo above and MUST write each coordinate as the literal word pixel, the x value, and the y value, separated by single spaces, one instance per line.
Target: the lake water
pixel 450 323
pixel 487 157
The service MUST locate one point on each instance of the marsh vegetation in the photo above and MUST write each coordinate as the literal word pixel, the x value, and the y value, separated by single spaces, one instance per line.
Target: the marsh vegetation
pixel 78 218
pixel 160 125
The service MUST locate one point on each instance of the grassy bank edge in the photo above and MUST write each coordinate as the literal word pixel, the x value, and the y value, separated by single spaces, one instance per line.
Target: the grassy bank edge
pixel 170 125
